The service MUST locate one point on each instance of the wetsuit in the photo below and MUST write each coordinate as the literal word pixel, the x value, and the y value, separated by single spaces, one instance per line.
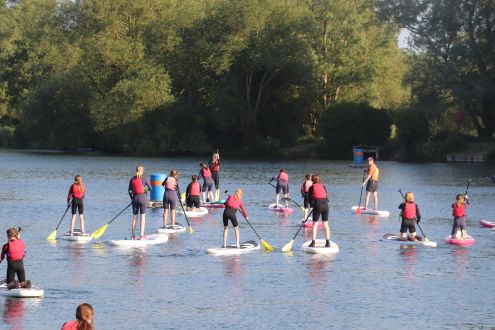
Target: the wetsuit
pixel 410 212
pixel 459 213
pixel 215 172
pixel 282 183
pixel 14 250
pixel 192 194
pixel 138 188
pixel 318 199
pixel 170 194
pixel 205 173
pixel 231 206
pixel 77 196
pixel 304 192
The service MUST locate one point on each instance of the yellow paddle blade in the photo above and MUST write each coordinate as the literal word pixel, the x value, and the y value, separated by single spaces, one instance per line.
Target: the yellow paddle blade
pixel 287 247
pixel 52 236
pixel 426 239
pixel 183 195
pixel 190 230
pixel 100 231
pixel 267 246
pixel 302 209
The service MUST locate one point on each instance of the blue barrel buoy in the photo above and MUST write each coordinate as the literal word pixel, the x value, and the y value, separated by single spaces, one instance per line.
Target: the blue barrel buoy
pixel 358 156
pixel 157 189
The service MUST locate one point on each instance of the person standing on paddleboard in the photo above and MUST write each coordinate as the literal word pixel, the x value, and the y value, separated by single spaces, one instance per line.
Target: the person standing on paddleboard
pixel 409 214
pixel 84 319
pixel 282 184
pixel 193 191
pixel 305 193
pixel 138 189
pixel 205 173
pixel 76 193
pixel 459 212
pixel 171 184
pixel 318 199
pixel 231 205
pixel 371 183
pixel 215 173
pixel 15 250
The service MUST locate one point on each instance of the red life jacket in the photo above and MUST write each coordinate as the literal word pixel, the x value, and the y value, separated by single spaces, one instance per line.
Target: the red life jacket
pixel 205 172
pixel 170 183
pixel 77 191
pixel 306 185
pixel 319 191
pixel 70 325
pixel 195 189
pixel 16 250
pixel 137 186
pixel 458 211
pixel 233 202
pixel 283 176
pixel 409 211
pixel 215 166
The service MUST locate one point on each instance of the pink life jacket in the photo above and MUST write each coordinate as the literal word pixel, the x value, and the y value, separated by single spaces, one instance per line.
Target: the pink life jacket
pixel 319 191
pixel 233 202
pixel 458 211
pixel 16 250
pixel 77 191
pixel 170 183
pixel 137 186
pixel 206 173
pixel 195 189
pixel 70 325
pixel 409 211
pixel 283 176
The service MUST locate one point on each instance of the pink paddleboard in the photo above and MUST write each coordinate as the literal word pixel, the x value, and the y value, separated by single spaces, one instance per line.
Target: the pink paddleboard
pixel 280 208
pixel 487 224
pixel 468 241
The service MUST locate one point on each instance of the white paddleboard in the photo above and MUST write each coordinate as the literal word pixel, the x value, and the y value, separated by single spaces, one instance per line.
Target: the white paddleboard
pixel 169 229
pixel 396 239
pixel 196 214
pixel 245 247
pixel 320 247
pixel 77 236
pixel 32 292
pixel 146 240
pixel 371 211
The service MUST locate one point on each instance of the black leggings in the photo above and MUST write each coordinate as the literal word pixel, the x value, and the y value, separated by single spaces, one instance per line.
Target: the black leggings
pixel 77 204
pixel 229 214
pixel 15 267
pixel 216 179
pixel 320 207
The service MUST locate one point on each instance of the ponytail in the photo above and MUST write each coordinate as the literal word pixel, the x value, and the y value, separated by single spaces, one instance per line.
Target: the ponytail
pixel 84 316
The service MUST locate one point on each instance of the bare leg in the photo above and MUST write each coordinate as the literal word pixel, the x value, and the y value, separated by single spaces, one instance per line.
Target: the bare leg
pixel 165 216
pixel 210 195
pixel 217 195
pixel 286 200
pixel 72 223
pixel 403 236
pixel 172 215
pixel 204 197
pixel 457 234
pixel 366 199
pixel 276 200
pixel 315 230
pixel 143 223
pixel 306 211
pixel 133 228
pixel 225 235
pixel 81 219
pixel 375 199
pixel 327 230
pixel 236 231
pixel 413 236
pixel 463 233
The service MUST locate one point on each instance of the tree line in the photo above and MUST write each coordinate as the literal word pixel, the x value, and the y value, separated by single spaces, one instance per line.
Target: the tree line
pixel 188 76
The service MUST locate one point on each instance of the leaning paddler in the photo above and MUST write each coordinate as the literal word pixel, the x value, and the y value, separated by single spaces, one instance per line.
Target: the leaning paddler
pixel 410 214
pixel 318 199
pixel 233 203
pixel 171 184
pixel 138 188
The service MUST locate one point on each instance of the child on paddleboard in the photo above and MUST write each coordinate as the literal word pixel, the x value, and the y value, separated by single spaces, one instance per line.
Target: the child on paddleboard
pixel 409 214
pixel 138 188
pixel 459 212
pixel 205 173
pixel 171 184
pixel 233 203
pixel 75 198
pixel 318 199
pixel 14 250
pixel 282 184
pixel 215 173
pixel 371 184
pixel 305 193
pixel 84 319
pixel 193 191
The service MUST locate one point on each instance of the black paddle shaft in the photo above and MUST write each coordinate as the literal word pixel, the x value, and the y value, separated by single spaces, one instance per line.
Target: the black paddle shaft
pixel 467 188
pixel 115 217
pixel 302 224
pixel 62 218
pixel 183 209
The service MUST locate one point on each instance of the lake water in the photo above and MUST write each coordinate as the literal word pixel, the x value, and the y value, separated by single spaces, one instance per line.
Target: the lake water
pixel 176 285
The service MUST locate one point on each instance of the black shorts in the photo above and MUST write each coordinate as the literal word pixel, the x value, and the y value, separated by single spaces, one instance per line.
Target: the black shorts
pixel 321 207
pixel 216 179
pixel 306 201
pixel 139 204
pixel 170 199
pixel 192 201
pixel 407 224
pixel 207 185
pixel 15 267
pixel 372 186
pixel 77 205
pixel 229 214
pixel 459 224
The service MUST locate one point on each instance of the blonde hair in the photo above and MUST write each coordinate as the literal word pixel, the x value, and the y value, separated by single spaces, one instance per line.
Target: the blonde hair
pixel 139 171
pixel 409 198
pixel 79 183
pixel 84 316
pixel 239 192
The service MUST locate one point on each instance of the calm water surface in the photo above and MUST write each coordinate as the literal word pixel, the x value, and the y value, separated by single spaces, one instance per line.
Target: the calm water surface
pixel 176 285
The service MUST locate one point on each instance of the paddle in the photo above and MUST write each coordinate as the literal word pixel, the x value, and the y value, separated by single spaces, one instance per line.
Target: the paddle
pixel 100 231
pixel 53 235
pixel 465 194
pixel 189 228
pixel 426 238
pixel 358 211
pixel 287 247
pixel 293 201
pixel 265 244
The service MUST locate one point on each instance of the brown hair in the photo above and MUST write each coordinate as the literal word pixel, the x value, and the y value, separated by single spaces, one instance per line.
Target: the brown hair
pixel 79 183
pixel 84 316
pixel 194 178
pixel 174 173
pixel 12 232
pixel 459 200
pixel 315 178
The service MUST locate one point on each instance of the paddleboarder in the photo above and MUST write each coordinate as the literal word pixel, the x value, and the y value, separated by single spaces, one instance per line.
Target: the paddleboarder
pixel 205 173
pixel 409 214
pixel 318 199
pixel 371 183
pixel 459 212
pixel 193 191
pixel 282 184
pixel 76 193
pixel 304 193
pixel 138 188
pixel 171 184
pixel 215 173
pixel 14 250
pixel 84 319
pixel 233 203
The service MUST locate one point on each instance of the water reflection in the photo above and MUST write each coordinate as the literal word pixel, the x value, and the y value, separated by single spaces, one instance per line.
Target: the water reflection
pixel 408 252
pixel 461 259
pixel 13 312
